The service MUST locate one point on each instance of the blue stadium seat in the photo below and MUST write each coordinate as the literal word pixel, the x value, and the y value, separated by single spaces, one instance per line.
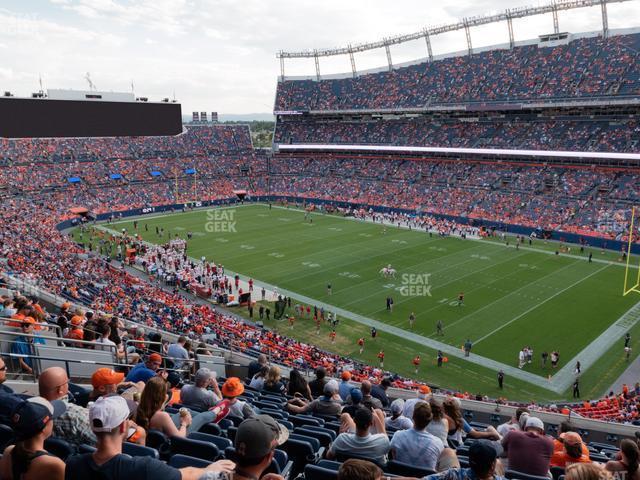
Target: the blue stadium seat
pixel 316 472
pixel 220 442
pixel 325 438
pixel 301 420
pixel 343 456
pixel 136 450
pixel 300 452
pixel 330 464
pixel 182 461
pixel 59 447
pixel 158 440
pixel 287 424
pixel 407 470
pixel 6 436
pixel 194 448
pixel 278 415
pixel 211 429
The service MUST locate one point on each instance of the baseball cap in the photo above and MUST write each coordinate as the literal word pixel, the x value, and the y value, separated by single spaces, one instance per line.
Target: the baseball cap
pixel 397 405
pixel 31 416
pixel 481 454
pixel 174 379
pixel 356 395
pixel 346 375
pixel 423 390
pixel 155 357
pixel 571 438
pixel 106 376
pixel 534 422
pixel 26 320
pixel 255 436
pixel 108 413
pixel 233 387
pixel 76 320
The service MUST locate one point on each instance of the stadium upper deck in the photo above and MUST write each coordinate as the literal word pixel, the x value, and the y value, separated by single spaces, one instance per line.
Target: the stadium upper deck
pixel 582 69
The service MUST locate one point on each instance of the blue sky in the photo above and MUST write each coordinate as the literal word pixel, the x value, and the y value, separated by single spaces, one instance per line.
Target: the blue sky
pixel 219 55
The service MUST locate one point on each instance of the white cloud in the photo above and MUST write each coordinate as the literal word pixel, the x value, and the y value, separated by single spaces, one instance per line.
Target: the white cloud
pixel 220 54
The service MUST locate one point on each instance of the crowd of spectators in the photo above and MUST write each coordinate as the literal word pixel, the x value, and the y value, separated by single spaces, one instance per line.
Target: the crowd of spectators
pixel 586 67
pixel 514 132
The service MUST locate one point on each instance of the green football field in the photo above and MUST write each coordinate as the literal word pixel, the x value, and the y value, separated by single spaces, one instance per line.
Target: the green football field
pixel 512 297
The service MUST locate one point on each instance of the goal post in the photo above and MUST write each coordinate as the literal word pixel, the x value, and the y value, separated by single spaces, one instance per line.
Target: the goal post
pixel 631 272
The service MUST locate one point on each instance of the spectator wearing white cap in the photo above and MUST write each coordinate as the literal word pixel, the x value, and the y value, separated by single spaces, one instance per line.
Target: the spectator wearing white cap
pixel 255 443
pixel 198 395
pixel 109 418
pixel 32 424
pixel 529 451
pixel 397 421
pixel 328 404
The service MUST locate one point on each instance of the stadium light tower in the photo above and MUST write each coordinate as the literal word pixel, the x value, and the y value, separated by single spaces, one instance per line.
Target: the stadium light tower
pixel 605 20
pixel 388 50
pixel 427 39
pixel 317 61
pixel 512 40
pixel 554 11
pixel 508 15
pixel 353 62
pixel 87 77
pixel 467 32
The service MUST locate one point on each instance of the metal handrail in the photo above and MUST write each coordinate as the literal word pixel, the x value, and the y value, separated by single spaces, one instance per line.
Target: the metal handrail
pixel 83 342
pixel 47 325
pixel 67 361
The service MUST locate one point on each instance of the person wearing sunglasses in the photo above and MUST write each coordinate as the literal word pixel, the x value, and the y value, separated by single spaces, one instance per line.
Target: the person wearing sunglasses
pixel 3 378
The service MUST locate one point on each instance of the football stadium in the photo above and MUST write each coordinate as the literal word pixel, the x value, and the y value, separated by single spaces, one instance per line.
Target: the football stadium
pixel 429 268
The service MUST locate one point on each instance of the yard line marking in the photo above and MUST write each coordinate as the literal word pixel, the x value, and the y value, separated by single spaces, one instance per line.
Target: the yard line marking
pixel 539 304
pixel 528 285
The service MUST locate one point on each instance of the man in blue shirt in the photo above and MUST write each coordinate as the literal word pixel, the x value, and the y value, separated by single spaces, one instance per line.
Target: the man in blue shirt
pixel 177 353
pixel 145 371
pixel 23 345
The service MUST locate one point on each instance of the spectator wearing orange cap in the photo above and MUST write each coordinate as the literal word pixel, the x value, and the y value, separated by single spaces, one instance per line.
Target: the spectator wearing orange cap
pixel 23 312
pixel 572 450
pixel 422 395
pixel 143 372
pixel 231 390
pixel 105 381
pixel 345 386
pixel 23 345
pixel 76 332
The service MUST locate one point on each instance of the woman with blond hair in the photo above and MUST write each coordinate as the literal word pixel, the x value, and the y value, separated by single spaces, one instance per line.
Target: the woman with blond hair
pixel 586 471
pixel 273 383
